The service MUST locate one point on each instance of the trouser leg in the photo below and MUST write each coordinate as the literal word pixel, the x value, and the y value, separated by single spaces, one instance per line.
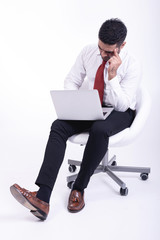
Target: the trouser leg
pixel 55 149
pixel 97 144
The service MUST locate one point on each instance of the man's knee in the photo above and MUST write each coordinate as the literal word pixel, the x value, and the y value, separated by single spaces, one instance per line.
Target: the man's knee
pixel 58 130
pixel 56 125
pixel 62 129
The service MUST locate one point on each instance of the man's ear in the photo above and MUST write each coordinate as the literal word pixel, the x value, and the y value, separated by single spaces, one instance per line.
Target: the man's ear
pixel 122 45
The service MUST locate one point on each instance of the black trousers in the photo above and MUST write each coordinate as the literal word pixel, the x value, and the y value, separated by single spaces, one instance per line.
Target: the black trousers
pixel 96 147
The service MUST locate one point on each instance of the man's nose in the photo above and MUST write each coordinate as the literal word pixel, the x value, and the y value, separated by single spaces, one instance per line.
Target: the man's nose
pixel 104 54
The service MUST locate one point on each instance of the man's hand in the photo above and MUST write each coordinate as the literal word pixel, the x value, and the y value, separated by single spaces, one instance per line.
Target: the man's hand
pixel 114 63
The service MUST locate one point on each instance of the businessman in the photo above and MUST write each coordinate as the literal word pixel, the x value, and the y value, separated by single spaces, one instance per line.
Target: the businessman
pixel 116 75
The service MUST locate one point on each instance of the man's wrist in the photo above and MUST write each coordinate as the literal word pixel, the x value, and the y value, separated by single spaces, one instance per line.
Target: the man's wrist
pixel 111 76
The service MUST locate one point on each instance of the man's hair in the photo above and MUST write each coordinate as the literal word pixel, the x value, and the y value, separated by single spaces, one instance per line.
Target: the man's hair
pixel 113 31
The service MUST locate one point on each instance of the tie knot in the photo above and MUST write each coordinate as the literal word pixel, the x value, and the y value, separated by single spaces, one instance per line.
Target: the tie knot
pixel 104 63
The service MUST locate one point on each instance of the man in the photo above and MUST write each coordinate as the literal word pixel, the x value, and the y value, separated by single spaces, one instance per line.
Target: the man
pixel 116 75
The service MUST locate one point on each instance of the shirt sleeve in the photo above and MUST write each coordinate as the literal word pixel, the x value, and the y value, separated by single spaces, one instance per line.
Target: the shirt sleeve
pixel 121 92
pixel 75 77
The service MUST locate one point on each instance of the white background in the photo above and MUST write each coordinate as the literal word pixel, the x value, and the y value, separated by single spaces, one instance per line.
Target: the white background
pixel 39 41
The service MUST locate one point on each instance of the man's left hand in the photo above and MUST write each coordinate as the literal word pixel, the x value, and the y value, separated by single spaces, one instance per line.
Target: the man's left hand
pixel 114 63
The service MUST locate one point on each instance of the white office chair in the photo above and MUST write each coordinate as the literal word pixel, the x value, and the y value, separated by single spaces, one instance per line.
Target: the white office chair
pixel 120 139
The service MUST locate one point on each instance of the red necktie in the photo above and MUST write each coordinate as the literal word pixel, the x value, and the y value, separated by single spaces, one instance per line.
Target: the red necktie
pixel 99 81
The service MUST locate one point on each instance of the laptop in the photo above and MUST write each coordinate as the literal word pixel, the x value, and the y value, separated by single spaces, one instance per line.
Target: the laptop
pixel 79 105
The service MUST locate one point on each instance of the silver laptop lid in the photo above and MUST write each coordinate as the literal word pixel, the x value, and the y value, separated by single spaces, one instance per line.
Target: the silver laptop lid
pixel 77 104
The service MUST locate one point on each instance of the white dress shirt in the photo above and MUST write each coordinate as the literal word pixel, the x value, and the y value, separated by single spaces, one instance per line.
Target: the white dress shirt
pixel 120 92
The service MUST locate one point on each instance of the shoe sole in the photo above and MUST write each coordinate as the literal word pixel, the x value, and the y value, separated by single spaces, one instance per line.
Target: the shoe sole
pixel 24 201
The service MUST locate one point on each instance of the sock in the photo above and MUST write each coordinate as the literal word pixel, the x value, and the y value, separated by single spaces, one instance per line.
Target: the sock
pixel 44 193
pixel 75 188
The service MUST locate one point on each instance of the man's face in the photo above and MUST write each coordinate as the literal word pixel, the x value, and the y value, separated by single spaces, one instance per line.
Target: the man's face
pixel 107 51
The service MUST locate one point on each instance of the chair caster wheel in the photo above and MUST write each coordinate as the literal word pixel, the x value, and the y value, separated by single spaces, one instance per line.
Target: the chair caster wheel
pixel 114 163
pixel 70 184
pixel 144 176
pixel 124 191
pixel 72 168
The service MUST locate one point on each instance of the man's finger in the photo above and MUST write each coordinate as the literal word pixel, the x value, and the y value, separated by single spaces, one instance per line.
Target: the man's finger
pixel 112 59
pixel 116 52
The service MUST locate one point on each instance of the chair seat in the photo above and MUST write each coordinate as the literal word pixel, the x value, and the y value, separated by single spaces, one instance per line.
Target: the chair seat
pixel 119 139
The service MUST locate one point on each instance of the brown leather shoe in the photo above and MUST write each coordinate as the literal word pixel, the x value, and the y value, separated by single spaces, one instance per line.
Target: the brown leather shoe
pixel 29 200
pixel 76 201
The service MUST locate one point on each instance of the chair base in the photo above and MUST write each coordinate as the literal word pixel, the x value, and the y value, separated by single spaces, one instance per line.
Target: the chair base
pixel 109 167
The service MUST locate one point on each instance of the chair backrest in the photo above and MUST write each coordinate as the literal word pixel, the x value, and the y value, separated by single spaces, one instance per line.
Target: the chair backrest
pixel 142 111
